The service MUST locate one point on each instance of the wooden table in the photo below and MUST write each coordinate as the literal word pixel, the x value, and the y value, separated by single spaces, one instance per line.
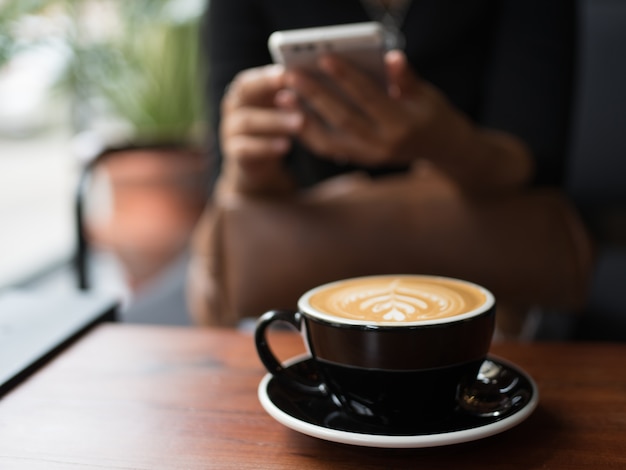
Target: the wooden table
pixel 136 397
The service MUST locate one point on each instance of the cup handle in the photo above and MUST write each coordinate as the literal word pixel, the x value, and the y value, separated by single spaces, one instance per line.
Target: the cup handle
pixel 284 375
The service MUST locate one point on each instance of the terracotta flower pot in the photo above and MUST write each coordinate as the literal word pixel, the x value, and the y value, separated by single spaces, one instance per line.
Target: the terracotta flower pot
pixel 142 205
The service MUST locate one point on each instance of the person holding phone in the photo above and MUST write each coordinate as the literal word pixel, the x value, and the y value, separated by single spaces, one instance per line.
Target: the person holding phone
pixel 477 98
pixel 500 96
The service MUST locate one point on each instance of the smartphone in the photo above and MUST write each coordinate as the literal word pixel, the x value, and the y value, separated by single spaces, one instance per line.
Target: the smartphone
pixel 360 44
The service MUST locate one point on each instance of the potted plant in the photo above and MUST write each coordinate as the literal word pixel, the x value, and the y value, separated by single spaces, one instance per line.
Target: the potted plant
pixel 138 99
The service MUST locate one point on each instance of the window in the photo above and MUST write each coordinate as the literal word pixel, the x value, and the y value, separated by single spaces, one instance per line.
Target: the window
pixel 37 168
pixel 115 69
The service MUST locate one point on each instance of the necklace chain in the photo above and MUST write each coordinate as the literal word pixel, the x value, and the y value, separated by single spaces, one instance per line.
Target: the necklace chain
pixel 391 15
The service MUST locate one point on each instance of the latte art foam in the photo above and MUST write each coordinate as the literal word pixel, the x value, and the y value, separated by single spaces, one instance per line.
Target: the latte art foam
pixel 401 299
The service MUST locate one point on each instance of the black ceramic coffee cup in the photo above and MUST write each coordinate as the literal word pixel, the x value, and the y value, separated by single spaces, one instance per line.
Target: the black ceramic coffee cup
pixel 388 349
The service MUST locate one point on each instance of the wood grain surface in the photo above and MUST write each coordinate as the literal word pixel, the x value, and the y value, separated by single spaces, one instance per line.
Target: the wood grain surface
pixel 138 397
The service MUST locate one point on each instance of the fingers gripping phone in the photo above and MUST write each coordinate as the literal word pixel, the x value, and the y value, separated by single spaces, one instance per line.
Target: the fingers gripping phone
pixel 360 44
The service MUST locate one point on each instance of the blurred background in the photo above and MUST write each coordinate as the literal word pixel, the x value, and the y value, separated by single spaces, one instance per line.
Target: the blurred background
pixel 100 104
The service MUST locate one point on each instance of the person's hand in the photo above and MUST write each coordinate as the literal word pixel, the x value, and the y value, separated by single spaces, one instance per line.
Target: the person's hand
pixel 410 120
pixel 374 126
pixel 255 134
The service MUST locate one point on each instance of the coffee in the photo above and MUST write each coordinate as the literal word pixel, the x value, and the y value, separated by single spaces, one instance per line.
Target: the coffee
pixel 397 299
pixel 388 350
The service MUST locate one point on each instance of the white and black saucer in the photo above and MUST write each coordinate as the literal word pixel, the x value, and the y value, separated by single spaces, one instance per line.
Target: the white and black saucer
pixel 320 417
